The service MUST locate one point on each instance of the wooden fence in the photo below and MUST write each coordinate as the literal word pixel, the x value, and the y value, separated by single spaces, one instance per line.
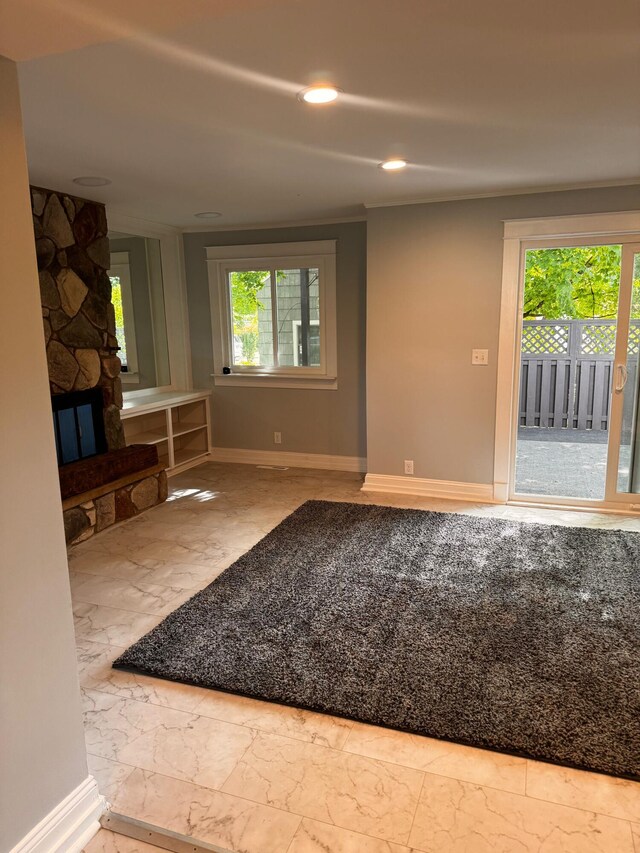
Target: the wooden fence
pixel 567 372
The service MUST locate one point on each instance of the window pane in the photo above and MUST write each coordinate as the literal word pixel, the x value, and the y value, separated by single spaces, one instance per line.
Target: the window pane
pixel 298 297
pixel 569 325
pixel 116 298
pixel 252 320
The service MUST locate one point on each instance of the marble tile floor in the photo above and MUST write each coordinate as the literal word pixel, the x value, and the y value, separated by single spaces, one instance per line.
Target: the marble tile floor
pixel 255 777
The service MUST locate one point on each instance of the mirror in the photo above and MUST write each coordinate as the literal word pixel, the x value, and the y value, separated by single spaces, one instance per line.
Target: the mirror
pixel 137 294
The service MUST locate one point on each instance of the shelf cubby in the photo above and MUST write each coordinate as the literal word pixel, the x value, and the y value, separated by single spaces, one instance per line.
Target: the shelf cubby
pixel 176 422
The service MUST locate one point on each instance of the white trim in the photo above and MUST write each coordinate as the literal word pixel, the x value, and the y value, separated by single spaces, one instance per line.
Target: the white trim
pixel 582 225
pixel 259 251
pixel 604 507
pixel 151 400
pixel 174 288
pixel 176 311
pixel 133 226
pixel 129 378
pixel 553 188
pixel 271 380
pixel 266 226
pixel 620 227
pixel 221 261
pixel 507 367
pixel 321 461
pixel 70 825
pixel 396 485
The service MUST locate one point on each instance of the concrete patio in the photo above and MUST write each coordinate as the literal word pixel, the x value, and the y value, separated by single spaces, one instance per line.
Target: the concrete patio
pixel 563 463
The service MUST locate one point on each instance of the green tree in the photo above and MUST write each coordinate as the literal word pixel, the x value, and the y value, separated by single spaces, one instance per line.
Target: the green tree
pixel 579 282
pixel 116 299
pixel 245 287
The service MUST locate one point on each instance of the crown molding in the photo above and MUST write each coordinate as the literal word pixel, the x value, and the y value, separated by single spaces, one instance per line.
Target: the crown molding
pixel 144 227
pixel 139 227
pixel 296 223
pixel 135 225
pixel 630 182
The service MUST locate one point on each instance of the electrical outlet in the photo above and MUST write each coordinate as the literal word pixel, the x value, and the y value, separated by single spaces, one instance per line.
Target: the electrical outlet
pixel 479 356
pixel 408 466
pixel 277 438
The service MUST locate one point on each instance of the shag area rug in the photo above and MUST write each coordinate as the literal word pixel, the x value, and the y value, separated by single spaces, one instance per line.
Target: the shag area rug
pixel 517 637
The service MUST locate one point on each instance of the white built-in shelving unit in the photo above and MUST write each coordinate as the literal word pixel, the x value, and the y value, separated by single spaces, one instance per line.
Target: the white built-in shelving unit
pixel 177 422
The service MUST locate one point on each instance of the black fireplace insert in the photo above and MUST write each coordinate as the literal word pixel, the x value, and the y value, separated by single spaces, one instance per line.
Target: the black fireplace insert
pixel 79 425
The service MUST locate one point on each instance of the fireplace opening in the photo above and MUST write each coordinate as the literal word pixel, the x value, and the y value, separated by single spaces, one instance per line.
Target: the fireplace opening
pixel 78 425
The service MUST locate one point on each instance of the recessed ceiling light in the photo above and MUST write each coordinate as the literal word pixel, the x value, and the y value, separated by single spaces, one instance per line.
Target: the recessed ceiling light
pixel 208 214
pixel 393 165
pixel 319 94
pixel 91 181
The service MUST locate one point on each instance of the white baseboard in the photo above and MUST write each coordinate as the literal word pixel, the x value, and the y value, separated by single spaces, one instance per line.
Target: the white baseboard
pixel 501 492
pixel 321 461
pixel 428 488
pixel 70 825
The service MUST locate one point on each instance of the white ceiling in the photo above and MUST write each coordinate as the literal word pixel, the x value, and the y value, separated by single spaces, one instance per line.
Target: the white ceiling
pixel 202 114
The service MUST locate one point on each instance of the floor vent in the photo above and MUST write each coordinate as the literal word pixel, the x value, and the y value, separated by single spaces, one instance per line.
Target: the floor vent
pixel 274 467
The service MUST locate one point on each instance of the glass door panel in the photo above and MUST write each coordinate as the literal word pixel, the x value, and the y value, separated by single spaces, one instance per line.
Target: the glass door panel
pixel 627 380
pixel 568 346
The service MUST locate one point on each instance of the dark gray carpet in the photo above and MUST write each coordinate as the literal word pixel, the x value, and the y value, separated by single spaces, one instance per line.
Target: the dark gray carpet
pixel 516 637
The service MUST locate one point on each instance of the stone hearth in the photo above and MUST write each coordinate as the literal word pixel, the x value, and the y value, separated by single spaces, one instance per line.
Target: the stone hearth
pixel 117 498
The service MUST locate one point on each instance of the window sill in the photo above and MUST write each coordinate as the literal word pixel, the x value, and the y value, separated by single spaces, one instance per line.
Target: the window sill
pixel 269 380
pixel 129 378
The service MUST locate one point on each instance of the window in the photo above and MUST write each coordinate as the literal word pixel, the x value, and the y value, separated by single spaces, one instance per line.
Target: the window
pixel 122 299
pixel 273 314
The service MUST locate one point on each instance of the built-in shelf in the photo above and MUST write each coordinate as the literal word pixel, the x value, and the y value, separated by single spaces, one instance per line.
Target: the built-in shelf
pixel 183 456
pixel 187 429
pixel 150 437
pixel 177 422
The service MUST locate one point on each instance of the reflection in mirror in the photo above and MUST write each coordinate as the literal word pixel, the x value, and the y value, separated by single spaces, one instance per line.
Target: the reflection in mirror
pixel 138 299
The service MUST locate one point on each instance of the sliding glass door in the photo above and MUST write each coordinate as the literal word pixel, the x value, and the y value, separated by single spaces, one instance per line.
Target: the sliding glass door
pixel 624 451
pixel 577 434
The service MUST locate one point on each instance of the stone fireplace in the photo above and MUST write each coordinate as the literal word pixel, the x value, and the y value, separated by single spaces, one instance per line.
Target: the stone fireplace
pixel 79 321
pixel 79 327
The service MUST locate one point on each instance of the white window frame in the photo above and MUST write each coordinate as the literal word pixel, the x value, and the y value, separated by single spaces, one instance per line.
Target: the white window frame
pixel 120 267
pixel 221 260
pixel 175 297
pixel 519 235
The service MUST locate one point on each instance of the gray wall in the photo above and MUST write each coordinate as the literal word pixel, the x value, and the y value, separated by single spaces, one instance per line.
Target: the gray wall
pixel 42 752
pixel 311 421
pixel 433 294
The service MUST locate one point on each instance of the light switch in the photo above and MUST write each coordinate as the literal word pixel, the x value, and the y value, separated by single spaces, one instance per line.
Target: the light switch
pixel 480 356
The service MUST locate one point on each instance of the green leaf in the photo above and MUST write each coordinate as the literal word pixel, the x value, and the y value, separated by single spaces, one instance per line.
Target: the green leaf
pixel 579 282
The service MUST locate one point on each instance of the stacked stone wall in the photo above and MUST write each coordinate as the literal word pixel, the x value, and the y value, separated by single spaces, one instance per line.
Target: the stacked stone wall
pixel 79 321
